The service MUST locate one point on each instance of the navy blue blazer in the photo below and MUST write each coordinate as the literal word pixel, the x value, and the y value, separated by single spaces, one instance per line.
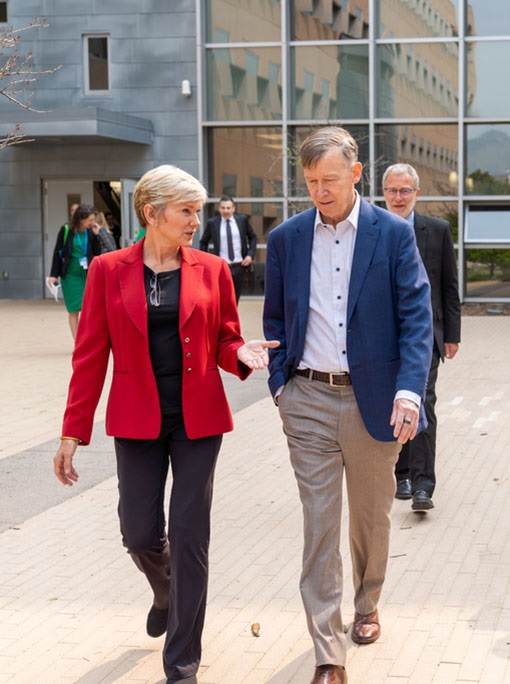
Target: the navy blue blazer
pixel 389 320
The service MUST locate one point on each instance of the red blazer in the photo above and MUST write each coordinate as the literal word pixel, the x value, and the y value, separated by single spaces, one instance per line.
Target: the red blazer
pixel 114 317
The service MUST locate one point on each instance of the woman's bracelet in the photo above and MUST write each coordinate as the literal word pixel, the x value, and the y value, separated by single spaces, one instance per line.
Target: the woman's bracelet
pixel 74 439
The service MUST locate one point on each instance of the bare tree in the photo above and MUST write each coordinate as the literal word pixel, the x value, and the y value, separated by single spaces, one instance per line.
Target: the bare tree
pixel 17 74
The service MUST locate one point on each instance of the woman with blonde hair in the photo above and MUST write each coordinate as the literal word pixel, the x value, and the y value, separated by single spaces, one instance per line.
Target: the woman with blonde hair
pixel 168 314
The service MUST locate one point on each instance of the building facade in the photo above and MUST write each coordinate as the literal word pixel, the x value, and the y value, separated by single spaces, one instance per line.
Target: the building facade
pixel 418 81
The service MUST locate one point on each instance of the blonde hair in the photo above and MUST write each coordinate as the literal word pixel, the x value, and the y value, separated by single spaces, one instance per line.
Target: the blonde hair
pixel 166 184
pixel 324 139
pixel 100 220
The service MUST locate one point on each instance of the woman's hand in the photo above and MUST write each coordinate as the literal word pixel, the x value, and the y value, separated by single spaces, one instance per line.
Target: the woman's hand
pixel 52 280
pixel 254 353
pixel 63 462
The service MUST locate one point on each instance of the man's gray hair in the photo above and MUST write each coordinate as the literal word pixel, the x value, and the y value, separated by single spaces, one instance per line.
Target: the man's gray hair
pixel 324 139
pixel 401 169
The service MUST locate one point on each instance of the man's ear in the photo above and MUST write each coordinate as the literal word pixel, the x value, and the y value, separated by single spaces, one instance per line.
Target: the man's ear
pixel 357 170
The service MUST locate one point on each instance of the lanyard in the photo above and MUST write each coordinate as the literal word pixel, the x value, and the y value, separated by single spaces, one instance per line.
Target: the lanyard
pixel 83 245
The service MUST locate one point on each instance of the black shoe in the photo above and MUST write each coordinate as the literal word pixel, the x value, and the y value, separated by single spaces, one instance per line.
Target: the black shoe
pixel 403 489
pixel 421 501
pixel 157 620
pixel 188 680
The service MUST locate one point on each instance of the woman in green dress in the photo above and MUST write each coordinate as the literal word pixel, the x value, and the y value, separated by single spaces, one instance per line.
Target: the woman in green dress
pixel 77 244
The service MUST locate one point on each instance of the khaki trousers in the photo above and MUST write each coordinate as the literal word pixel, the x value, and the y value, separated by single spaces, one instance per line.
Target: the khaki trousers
pixel 326 435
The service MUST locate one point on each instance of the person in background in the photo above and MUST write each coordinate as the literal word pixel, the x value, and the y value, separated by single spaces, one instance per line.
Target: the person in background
pixel 168 314
pixel 106 239
pixel 415 469
pixel 348 299
pixel 75 247
pixel 114 227
pixel 233 239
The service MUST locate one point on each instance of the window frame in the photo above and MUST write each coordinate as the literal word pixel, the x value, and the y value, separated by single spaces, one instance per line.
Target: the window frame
pixel 87 90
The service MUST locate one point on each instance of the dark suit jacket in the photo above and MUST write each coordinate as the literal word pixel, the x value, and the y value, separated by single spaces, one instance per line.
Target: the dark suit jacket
pixel 212 234
pixel 114 317
pixel 435 244
pixel 389 321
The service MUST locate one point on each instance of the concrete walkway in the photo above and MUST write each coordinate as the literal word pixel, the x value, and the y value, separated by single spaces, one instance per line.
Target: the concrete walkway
pixel 73 606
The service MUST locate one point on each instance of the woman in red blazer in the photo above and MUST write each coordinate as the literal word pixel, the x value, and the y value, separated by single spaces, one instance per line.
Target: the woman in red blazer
pixel 168 314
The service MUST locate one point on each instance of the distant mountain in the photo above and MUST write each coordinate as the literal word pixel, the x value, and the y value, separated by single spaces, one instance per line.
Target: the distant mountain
pixel 490 152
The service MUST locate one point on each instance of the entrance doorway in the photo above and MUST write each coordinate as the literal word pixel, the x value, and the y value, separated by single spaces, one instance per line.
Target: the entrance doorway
pixel 112 196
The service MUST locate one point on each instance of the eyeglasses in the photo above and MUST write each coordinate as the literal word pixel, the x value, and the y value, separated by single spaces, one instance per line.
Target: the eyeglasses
pixel 155 293
pixel 403 192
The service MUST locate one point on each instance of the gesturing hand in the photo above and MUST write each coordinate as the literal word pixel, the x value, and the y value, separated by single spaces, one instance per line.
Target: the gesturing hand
pixel 254 353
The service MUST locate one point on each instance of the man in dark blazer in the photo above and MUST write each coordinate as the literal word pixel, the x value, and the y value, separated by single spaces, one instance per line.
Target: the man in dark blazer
pixel 233 239
pixel 348 299
pixel 415 470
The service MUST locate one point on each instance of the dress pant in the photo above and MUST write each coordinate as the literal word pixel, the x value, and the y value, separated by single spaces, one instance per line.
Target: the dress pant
pixel 326 436
pixel 238 274
pixel 176 565
pixel 418 457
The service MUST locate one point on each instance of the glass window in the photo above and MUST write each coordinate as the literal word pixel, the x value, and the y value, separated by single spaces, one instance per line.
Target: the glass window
pixel 329 19
pixel 487 273
pixel 419 79
pixel 244 84
pixel 3 12
pixel 245 153
pixel 487 18
pixel 417 18
pixel 235 21
pixel 431 149
pixel 297 183
pixel 488 159
pixel 487 224
pixel 96 64
pixel 329 82
pixel 484 62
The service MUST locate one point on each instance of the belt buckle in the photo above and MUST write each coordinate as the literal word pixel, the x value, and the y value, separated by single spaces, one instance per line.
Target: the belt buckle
pixel 341 382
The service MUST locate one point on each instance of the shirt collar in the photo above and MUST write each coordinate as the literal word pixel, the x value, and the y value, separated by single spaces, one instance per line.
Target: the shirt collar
pixel 353 217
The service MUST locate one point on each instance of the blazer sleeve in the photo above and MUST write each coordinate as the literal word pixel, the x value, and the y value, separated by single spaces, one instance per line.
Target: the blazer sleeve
pixel 206 237
pixel 450 290
pixel 90 358
pixel 274 315
pixel 251 237
pixel 56 262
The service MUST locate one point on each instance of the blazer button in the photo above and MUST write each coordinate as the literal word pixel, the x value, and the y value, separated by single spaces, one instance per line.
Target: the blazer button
pixel 188 370
pixel 188 354
pixel 186 339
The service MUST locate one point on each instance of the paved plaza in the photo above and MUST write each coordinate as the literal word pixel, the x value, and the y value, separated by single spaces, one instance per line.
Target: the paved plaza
pixel 73 605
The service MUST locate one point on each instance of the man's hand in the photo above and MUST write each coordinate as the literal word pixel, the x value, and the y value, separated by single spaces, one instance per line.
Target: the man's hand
pixel 450 349
pixel 246 261
pixel 404 417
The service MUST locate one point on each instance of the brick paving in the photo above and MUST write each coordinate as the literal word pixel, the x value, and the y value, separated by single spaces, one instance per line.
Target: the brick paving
pixel 73 606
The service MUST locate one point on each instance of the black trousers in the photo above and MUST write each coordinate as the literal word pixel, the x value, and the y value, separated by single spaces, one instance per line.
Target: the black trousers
pixel 175 564
pixel 417 457
pixel 238 273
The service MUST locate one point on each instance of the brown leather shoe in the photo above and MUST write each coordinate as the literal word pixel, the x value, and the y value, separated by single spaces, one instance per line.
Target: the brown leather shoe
pixel 366 628
pixel 329 674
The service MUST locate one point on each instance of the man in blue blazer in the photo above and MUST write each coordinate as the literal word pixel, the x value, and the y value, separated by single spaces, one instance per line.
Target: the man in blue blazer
pixel 348 299
pixel 232 238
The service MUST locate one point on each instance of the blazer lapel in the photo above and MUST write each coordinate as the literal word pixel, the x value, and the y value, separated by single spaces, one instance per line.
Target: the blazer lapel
pixel 131 283
pixel 420 231
pixel 192 273
pixel 366 240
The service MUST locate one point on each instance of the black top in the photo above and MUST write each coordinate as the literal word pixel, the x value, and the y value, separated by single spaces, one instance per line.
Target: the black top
pixel 162 291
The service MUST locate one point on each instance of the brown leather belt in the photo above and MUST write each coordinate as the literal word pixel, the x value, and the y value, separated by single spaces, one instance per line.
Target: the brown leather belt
pixel 332 379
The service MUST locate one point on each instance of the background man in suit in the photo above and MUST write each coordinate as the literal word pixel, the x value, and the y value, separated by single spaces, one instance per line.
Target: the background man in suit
pixel 233 239
pixel 401 186
pixel 348 299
